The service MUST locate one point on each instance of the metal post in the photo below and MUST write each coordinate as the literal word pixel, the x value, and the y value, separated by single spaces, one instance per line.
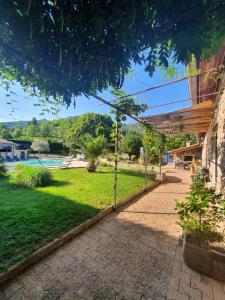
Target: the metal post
pixel 116 163
pixel 160 168
pixel 146 170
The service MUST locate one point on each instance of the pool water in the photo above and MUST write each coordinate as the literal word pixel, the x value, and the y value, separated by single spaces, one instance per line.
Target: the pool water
pixel 44 162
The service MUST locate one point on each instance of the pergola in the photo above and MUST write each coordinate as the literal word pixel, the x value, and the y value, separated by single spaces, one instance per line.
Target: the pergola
pixel 195 118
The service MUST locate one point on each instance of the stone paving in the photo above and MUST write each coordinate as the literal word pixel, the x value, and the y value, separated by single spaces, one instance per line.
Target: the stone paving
pixel 131 254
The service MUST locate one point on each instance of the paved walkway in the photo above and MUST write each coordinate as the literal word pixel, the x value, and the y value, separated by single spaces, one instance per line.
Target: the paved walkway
pixel 132 254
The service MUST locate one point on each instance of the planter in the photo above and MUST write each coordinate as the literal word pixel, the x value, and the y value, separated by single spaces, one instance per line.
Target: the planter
pixel 193 170
pixel 152 176
pixel 208 262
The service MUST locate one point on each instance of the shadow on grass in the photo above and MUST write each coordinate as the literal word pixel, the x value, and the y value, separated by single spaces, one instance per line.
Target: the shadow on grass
pixel 31 218
pixel 59 182
pixel 129 172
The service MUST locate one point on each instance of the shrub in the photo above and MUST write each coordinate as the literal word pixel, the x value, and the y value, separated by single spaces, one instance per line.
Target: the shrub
pixel 29 176
pixel 152 176
pixel 2 168
pixel 40 146
pixel 201 214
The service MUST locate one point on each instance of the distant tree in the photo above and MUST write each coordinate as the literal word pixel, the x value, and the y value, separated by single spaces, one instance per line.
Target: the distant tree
pixel 34 121
pixel 45 129
pixel 17 132
pixel 40 146
pixel 154 145
pixel 92 148
pixel 131 143
pixel 32 131
pixel 5 132
pixel 93 124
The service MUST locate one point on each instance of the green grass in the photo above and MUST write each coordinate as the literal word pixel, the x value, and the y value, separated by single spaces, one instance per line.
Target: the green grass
pixel 30 218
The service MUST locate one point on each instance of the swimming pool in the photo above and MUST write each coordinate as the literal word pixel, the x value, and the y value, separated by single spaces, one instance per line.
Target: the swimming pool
pixel 44 162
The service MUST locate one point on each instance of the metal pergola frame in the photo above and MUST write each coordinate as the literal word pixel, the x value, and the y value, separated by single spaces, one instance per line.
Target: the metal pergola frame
pixel 117 148
pixel 142 120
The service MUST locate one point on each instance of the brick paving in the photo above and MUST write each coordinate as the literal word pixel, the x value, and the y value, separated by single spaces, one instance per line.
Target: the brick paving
pixel 131 254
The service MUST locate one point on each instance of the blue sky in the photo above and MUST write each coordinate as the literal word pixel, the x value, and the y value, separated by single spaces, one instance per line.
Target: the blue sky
pixel 139 80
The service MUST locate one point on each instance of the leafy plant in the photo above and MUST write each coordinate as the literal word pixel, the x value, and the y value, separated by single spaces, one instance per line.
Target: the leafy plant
pixel 92 148
pixel 2 168
pixel 29 176
pixel 131 143
pixel 154 144
pixel 40 146
pixel 201 214
pixel 126 106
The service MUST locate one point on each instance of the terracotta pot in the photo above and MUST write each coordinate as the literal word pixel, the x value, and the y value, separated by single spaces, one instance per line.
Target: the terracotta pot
pixel 192 170
pixel 207 262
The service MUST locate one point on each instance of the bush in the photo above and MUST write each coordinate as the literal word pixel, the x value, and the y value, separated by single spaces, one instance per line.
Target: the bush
pixel 29 176
pixel 2 168
pixel 201 215
pixel 40 146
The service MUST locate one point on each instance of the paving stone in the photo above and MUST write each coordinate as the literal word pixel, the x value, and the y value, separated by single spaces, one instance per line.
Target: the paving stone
pixel 193 293
pixel 2 295
pixel 199 282
pixel 11 288
pixel 173 294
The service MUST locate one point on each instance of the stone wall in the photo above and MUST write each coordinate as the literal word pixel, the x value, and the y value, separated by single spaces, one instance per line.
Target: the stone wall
pixel 213 151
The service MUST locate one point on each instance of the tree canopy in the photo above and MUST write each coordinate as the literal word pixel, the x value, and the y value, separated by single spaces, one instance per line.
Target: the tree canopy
pixel 71 47
pixel 154 144
pixel 131 143
pixel 93 124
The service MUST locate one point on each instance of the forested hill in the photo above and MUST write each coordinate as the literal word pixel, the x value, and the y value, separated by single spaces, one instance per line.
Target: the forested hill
pixel 69 130
pixel 22 124
pixel 58 130
pixel 15 124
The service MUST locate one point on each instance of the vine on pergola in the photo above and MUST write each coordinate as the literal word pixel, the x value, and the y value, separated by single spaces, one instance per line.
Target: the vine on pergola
pixel 71 47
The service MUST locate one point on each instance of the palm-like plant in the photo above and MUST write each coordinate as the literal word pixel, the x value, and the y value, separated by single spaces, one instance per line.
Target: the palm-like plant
pixel 92 148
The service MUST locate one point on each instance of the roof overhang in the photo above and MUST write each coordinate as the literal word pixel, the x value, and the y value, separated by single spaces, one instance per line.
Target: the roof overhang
pixel 2 142
pixel 186 149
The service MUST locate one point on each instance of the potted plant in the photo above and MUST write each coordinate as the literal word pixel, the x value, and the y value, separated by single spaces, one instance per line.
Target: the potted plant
pixel 201 217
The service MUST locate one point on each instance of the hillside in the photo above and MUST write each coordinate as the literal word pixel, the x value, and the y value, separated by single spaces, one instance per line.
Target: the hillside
pixel 13 124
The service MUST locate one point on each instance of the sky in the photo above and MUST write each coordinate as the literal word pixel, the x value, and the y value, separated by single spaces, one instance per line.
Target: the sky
pixel 138 80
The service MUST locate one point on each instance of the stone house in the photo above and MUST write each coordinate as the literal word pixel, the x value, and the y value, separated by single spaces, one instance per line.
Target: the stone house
pixel 190 153
pixel 213 140
pixel 205 117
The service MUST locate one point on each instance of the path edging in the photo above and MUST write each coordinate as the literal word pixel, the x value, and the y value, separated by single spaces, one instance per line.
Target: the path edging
pixel 56 243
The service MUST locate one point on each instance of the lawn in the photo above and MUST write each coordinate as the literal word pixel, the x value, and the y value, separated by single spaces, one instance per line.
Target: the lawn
pixel 30 218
